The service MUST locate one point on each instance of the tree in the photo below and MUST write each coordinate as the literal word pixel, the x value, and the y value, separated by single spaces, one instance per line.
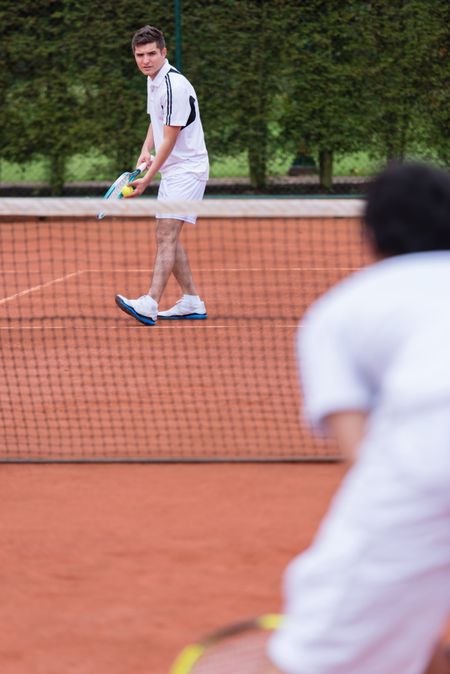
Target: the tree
pixel 40 115
pixel 324 106
pixel 405 75
pixel 334 75
pixel 115 120
pixel 70 83
pixel 434 110
pixel 231 53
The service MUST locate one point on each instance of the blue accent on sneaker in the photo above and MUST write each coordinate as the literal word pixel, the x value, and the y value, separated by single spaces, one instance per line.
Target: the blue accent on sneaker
pixel 179 318
pixel 146 320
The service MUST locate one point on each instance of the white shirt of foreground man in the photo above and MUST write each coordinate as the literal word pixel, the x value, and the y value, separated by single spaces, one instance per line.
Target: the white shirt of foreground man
pixel 372 593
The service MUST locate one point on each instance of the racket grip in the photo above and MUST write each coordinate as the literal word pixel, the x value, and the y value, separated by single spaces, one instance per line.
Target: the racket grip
pixel 142 167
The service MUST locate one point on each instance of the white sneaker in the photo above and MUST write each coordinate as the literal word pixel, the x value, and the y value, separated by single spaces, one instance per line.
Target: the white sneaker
pixel 187 307
pixel 144 309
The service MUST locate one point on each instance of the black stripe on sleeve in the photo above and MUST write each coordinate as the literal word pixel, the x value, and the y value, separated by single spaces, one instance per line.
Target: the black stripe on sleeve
pixel 193 113
pixel 169 100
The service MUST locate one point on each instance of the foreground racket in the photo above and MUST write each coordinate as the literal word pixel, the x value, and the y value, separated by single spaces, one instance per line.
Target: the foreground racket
pixel 115 191
pixel 237 649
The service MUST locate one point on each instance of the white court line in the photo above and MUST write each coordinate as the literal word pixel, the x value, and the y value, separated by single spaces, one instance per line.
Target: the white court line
pixel 232 269
pixel 217 269
pixel 137 327
pixel 41 286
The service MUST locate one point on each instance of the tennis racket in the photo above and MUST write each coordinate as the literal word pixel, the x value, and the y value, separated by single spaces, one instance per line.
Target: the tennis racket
pixel 115 191
pixel 237 649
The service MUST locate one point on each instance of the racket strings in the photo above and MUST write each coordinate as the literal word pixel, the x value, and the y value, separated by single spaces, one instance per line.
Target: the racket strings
pixel 242 653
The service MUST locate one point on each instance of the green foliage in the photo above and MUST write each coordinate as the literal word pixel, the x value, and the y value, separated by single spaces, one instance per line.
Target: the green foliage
pixel 330 77
pixel 405 45
pixel 114 91
pixel 231 55
pixel 39 117
pixel 434 106
pixel 70 83
pixel 93 166
pixel 324 76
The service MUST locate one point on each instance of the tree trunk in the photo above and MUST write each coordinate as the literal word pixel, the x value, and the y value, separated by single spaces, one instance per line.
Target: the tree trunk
pixel 257 161
pixel 326 169
pixel 57 174
pixel 258 93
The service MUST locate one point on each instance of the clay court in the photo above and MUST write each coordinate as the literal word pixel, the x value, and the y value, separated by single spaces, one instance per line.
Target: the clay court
pixel 111 569
pixel 81 381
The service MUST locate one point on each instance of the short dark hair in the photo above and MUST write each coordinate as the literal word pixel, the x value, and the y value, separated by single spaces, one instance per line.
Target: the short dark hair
pixel 148 34
pixel 408 210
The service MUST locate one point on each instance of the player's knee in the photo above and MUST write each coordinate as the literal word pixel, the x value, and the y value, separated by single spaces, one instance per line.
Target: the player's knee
pixel 167 234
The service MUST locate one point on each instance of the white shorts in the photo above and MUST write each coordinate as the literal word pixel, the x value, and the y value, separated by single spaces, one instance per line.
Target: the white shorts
pixel 182 187
pixel 372 593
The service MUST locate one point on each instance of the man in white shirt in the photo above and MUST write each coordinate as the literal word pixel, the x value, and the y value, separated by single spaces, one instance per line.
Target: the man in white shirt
pixel 372 593
pixel 176 133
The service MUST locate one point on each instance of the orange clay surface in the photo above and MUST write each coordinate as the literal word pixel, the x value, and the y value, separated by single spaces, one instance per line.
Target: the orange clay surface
pixel 80 379
pixel 111 569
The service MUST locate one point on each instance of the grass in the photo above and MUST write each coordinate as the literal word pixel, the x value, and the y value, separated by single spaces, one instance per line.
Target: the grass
pixel 356 164
pixel 96 167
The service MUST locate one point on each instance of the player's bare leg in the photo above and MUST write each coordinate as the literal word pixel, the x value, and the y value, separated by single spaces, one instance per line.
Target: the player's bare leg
pixel 190 306
pixel 182 271
pixel 167 233
pixel 145 308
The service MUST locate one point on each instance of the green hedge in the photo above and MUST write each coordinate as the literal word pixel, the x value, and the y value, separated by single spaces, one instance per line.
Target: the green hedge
pixel 280 77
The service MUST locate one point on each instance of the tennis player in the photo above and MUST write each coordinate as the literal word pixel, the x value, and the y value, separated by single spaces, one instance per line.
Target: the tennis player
pixel 176 134
pixel 372 593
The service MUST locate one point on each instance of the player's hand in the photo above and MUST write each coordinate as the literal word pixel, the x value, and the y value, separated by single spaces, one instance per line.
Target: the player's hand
pixel 139 186
pixel 145 157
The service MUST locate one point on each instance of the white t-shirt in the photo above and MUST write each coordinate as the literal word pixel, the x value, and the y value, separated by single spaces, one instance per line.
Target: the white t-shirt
pixel 172 101
pixel 378 341
pixel 381 338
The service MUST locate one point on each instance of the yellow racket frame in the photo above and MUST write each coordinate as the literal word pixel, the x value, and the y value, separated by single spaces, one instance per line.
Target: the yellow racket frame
pixel 190 654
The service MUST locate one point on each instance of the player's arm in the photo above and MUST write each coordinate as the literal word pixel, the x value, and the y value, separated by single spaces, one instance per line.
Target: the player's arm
pixel 347 428
pixel 440 662
pixel 337 394
pixel 147 147
pixel 166 147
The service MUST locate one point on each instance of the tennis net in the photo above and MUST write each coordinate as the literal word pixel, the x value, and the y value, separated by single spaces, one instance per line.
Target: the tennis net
pixel 81 381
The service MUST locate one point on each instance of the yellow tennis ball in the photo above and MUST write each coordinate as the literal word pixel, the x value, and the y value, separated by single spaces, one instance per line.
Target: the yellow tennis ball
pixel 127 190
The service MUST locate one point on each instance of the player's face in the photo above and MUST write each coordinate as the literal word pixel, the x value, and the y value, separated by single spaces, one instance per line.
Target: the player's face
pixel 150 58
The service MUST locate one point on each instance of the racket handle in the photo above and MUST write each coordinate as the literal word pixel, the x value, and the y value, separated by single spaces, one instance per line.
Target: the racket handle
pixel 142 167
